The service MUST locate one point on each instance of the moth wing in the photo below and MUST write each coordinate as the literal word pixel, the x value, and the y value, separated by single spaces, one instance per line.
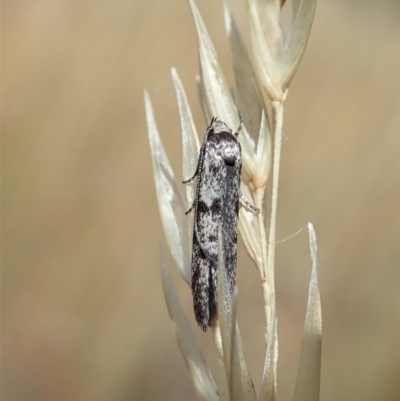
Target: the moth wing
pixel 205 236
pixel 204 286
pixel 211 184
pixel 230 217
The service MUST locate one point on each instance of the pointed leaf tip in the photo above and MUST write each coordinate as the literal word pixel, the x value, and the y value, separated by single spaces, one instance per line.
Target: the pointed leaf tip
pixel 309 373
pixel 170 202
pixel 216 90
pixel 190 140
pixel 248 91
pixel 296 40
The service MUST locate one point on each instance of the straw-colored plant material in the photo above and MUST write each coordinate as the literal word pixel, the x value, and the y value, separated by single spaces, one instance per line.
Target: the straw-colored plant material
pixel 262 76
pixel 308 376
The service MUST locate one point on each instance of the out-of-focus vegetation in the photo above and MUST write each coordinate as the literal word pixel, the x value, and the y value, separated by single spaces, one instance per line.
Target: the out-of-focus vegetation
pixel 83 315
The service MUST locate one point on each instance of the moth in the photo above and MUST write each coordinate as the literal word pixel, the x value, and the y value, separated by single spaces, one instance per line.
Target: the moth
pixel 216 204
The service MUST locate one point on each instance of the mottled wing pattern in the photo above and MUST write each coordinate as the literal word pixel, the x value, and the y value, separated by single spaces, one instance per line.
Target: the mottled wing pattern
pixel 217 203
pixel 230 216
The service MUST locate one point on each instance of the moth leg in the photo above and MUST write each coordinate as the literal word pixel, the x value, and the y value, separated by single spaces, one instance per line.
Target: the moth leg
pixel 247 204
pixel 191 207
pixel 198 167
pixel 190 179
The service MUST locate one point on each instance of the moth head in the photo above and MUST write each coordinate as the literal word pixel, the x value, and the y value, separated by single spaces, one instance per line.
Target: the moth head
pixel 219 126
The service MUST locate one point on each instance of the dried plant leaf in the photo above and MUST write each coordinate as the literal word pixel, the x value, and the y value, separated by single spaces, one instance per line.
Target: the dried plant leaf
pixel 275 359
pixel 190 140
pixel 223 388
pixel 235 377
pixel 268 386
pixel 248 233
pixel 248 227
pixel 263 155
pixel 203 99
pixel 201 376
pixel 217 94
pixel 294 5
pixel 248 91
pixel 241 387
pixel 170 201
pixel 263 57
pixel 247 383
pixel 295 41
pixel 216 88
pixel 276 59
pixel 224 307
pixel 227 320
pixel 308 376
pixel 269 14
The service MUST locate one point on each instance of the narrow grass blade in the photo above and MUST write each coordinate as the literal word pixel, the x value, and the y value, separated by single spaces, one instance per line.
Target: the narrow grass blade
pixel 201 91
pixel 308 376
pixel 217 93
pixel 234 379
pixel 170 202
pixel 248 91
pixel 248 227
pixel 263 58
pixel 238 377
pixel 226 321
pixel 202 379
pixel 248 389
pixel 269 13
pixel 216 88
pixel 295 41
pixel 190 140
pixel 224 307
pixel 268 386
pixel 263 154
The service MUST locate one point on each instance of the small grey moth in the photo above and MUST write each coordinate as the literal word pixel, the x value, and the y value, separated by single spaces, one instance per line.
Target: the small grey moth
pixel 216 205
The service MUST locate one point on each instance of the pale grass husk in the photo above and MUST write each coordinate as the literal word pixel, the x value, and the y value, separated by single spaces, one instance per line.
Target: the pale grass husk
pixel 276 55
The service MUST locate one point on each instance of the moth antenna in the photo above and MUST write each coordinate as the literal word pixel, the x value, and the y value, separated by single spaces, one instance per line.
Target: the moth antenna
pixel 240 125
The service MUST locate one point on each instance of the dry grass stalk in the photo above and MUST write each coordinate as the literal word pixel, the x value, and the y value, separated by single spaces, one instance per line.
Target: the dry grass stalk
pixel 275 55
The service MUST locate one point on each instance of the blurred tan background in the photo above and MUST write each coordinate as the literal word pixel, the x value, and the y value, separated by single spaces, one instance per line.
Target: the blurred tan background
pixel 83 314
